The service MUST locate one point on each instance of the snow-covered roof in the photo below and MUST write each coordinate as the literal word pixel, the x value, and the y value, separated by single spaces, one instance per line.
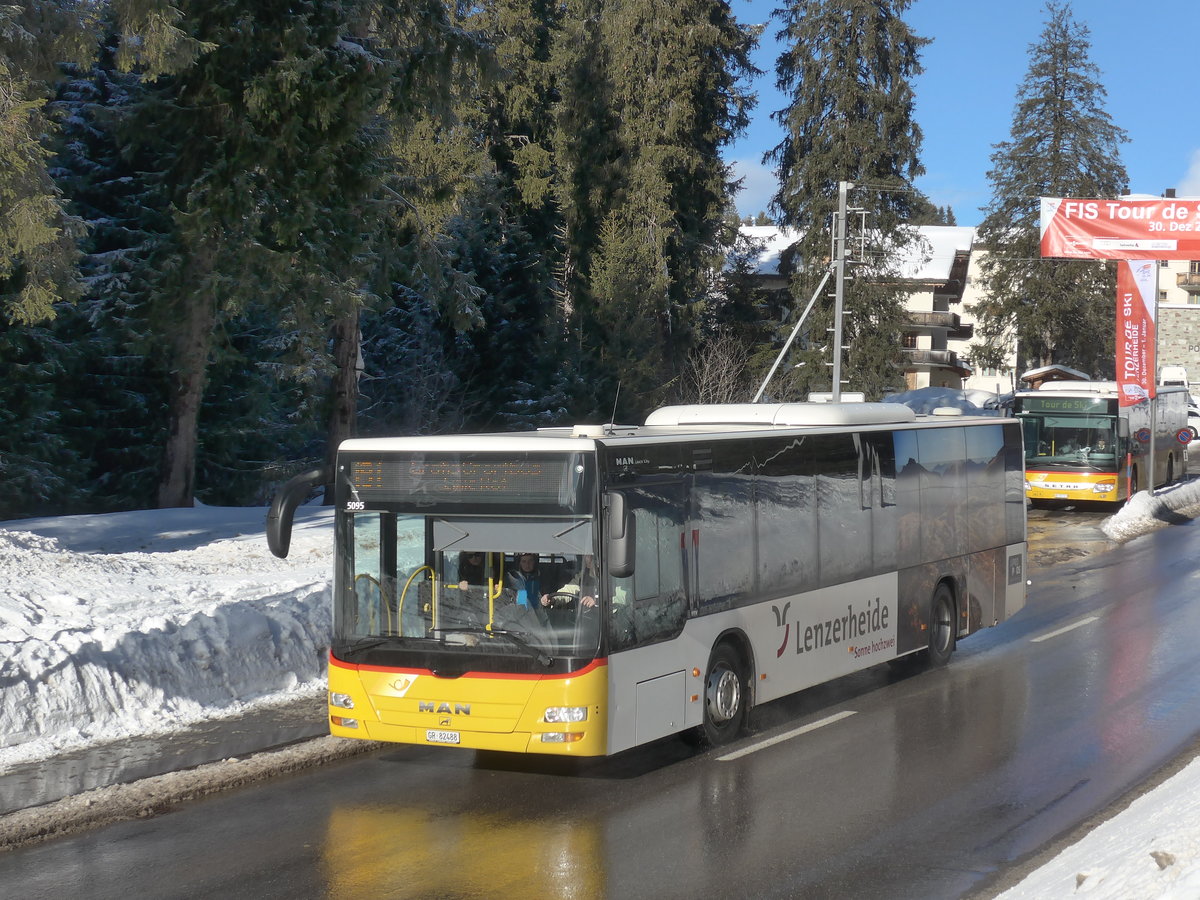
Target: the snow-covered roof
pixel 932 260
pixel 774 240
pixel 1065 373
pixel 925 400
pixel 926 260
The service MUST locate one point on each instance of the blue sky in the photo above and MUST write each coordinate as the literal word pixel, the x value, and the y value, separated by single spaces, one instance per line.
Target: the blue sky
pixel 965 97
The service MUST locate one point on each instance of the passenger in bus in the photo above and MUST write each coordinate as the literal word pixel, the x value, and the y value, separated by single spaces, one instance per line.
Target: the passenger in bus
pixel 520 608
pixel 470 568
pixel 525 581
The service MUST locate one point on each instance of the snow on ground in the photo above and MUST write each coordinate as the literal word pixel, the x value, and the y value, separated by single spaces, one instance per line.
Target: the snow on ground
pixel 1149 851
pixel 140 622
pixel 120 624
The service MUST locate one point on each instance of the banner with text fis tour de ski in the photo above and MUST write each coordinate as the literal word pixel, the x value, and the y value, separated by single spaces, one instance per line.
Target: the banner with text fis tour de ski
pixel 1156 228
pixel 1136 233
pixel 1137 284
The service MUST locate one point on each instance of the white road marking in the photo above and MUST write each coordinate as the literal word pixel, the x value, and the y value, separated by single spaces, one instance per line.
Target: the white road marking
pixel 786 736
pixel 1045 637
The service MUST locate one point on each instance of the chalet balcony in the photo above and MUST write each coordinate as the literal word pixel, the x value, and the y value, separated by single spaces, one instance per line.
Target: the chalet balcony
pixel 1188 281
pixel 929 319
pixel 935 359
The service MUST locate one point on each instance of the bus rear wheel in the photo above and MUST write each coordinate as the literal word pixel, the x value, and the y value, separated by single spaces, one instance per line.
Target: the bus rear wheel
pixel 725 698
pixel 941 627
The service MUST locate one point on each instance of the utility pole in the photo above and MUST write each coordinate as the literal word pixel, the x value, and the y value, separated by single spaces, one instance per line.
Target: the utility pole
pixel 840 287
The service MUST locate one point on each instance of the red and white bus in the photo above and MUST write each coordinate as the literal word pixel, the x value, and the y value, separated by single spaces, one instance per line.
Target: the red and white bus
pixel 715 558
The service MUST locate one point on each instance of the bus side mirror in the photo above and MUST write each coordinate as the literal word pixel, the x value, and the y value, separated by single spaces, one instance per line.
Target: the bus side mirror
pixel 620 536
pixel 283 508
pixel 1122 427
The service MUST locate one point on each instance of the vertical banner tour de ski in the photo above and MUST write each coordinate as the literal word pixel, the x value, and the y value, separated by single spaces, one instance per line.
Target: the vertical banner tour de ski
pixel 1137 284
pixel 1127 230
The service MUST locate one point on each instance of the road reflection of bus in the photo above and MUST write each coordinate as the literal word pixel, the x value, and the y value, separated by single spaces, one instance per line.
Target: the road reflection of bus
pixel 401 852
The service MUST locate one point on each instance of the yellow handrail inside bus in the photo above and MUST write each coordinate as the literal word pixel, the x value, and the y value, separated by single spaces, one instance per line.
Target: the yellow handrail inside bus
pixel 495 586
pixel 400 605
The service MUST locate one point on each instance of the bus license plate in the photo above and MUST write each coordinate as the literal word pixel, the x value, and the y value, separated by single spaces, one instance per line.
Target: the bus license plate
pixel 434 736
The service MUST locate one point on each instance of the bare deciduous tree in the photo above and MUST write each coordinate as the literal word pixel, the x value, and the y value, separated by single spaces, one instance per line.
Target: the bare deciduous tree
pixel 716 371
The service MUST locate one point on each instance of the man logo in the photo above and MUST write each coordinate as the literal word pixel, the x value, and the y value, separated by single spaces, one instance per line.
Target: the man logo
pixel 781 620
pixel 444 709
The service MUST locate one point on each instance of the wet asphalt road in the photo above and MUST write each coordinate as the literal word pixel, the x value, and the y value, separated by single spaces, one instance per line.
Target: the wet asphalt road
pixel 921 785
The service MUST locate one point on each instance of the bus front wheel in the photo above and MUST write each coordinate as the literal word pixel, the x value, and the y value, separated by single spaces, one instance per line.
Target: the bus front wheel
pixel 726 698
pixel 941 627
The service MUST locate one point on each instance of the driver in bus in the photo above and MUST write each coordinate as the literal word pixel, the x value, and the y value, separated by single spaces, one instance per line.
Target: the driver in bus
pixel 582 585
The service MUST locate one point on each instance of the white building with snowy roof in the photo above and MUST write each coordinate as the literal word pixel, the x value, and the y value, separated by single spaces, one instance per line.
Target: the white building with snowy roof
pixel 941 275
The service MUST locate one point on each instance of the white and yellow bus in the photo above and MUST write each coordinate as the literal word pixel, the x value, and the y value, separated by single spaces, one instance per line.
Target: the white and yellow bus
pixel 712 559
pixel 1082 445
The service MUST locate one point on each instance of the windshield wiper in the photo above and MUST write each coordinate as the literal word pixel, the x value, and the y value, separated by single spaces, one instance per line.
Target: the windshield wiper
pixel 514 636
pixel 1042 462
pixel 367 643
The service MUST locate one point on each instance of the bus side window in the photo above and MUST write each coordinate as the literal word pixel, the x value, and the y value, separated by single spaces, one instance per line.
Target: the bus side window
pixel 650 605
pixel 721 536
pixel 843 524
pixel 786 517
pixel 879 450
pixel 985 486
pixel 943 492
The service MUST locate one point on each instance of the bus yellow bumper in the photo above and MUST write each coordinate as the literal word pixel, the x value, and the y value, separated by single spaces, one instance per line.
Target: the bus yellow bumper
pixel 1072 486
pixel 559 714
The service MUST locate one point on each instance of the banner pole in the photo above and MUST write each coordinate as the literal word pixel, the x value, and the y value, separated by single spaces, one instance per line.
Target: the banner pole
pixel 1154 383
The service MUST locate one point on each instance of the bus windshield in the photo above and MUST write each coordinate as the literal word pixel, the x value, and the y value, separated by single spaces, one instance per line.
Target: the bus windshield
pixel 499 586
pixel 1070 441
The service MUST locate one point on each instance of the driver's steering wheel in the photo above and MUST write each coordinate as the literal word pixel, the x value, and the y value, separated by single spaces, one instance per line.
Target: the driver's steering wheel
pixel 561 600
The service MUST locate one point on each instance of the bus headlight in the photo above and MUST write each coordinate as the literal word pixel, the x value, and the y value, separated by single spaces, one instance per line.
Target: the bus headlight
pixel 1103 488
pixel 562 737
pixel 344 723
pixel 342 701
pixel 561 715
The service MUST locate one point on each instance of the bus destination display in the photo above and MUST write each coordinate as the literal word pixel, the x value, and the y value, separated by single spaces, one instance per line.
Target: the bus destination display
pixel 1066 404
pixel 455 478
